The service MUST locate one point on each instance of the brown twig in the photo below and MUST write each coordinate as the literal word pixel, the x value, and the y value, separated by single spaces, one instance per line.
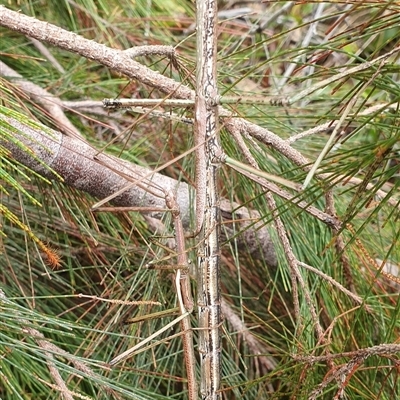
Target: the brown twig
pixel 295 275
pixel 115 59
pixel 343 374
pixel 186 300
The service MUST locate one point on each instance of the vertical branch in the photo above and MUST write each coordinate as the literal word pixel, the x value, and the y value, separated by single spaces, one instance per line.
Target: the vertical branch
pixel 184 295
pixel 207 212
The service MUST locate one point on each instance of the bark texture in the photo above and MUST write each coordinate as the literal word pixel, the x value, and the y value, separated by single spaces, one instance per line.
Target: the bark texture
pixel 101 175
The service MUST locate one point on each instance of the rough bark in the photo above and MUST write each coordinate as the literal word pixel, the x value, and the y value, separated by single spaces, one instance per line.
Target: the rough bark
pixel 101 175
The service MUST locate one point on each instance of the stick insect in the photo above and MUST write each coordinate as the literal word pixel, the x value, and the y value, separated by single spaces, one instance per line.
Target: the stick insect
pixel 207 220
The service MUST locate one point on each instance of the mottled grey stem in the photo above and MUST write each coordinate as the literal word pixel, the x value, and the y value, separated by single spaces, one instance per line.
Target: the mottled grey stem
pixel 208 211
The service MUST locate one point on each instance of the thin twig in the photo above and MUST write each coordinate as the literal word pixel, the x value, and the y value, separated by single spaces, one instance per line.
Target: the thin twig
pixel 157 50
pixel 343 374
pixel 127 103
pixel 378 350
pixel 332 281
pixel 115 59
pixel 375 109
pixel 46 53
pixel 130 352
pixel 186 299
pixel 295 275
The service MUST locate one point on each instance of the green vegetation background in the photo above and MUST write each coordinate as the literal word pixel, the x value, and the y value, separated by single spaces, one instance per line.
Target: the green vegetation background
pixel 103 255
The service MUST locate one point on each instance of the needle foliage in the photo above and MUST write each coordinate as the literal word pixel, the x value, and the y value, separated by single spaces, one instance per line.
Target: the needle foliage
pixel 71 279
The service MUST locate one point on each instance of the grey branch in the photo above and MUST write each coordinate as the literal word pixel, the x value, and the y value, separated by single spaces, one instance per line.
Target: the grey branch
pixel 73 159
pixel 121 61
pixel 101 175
pixel 112 58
